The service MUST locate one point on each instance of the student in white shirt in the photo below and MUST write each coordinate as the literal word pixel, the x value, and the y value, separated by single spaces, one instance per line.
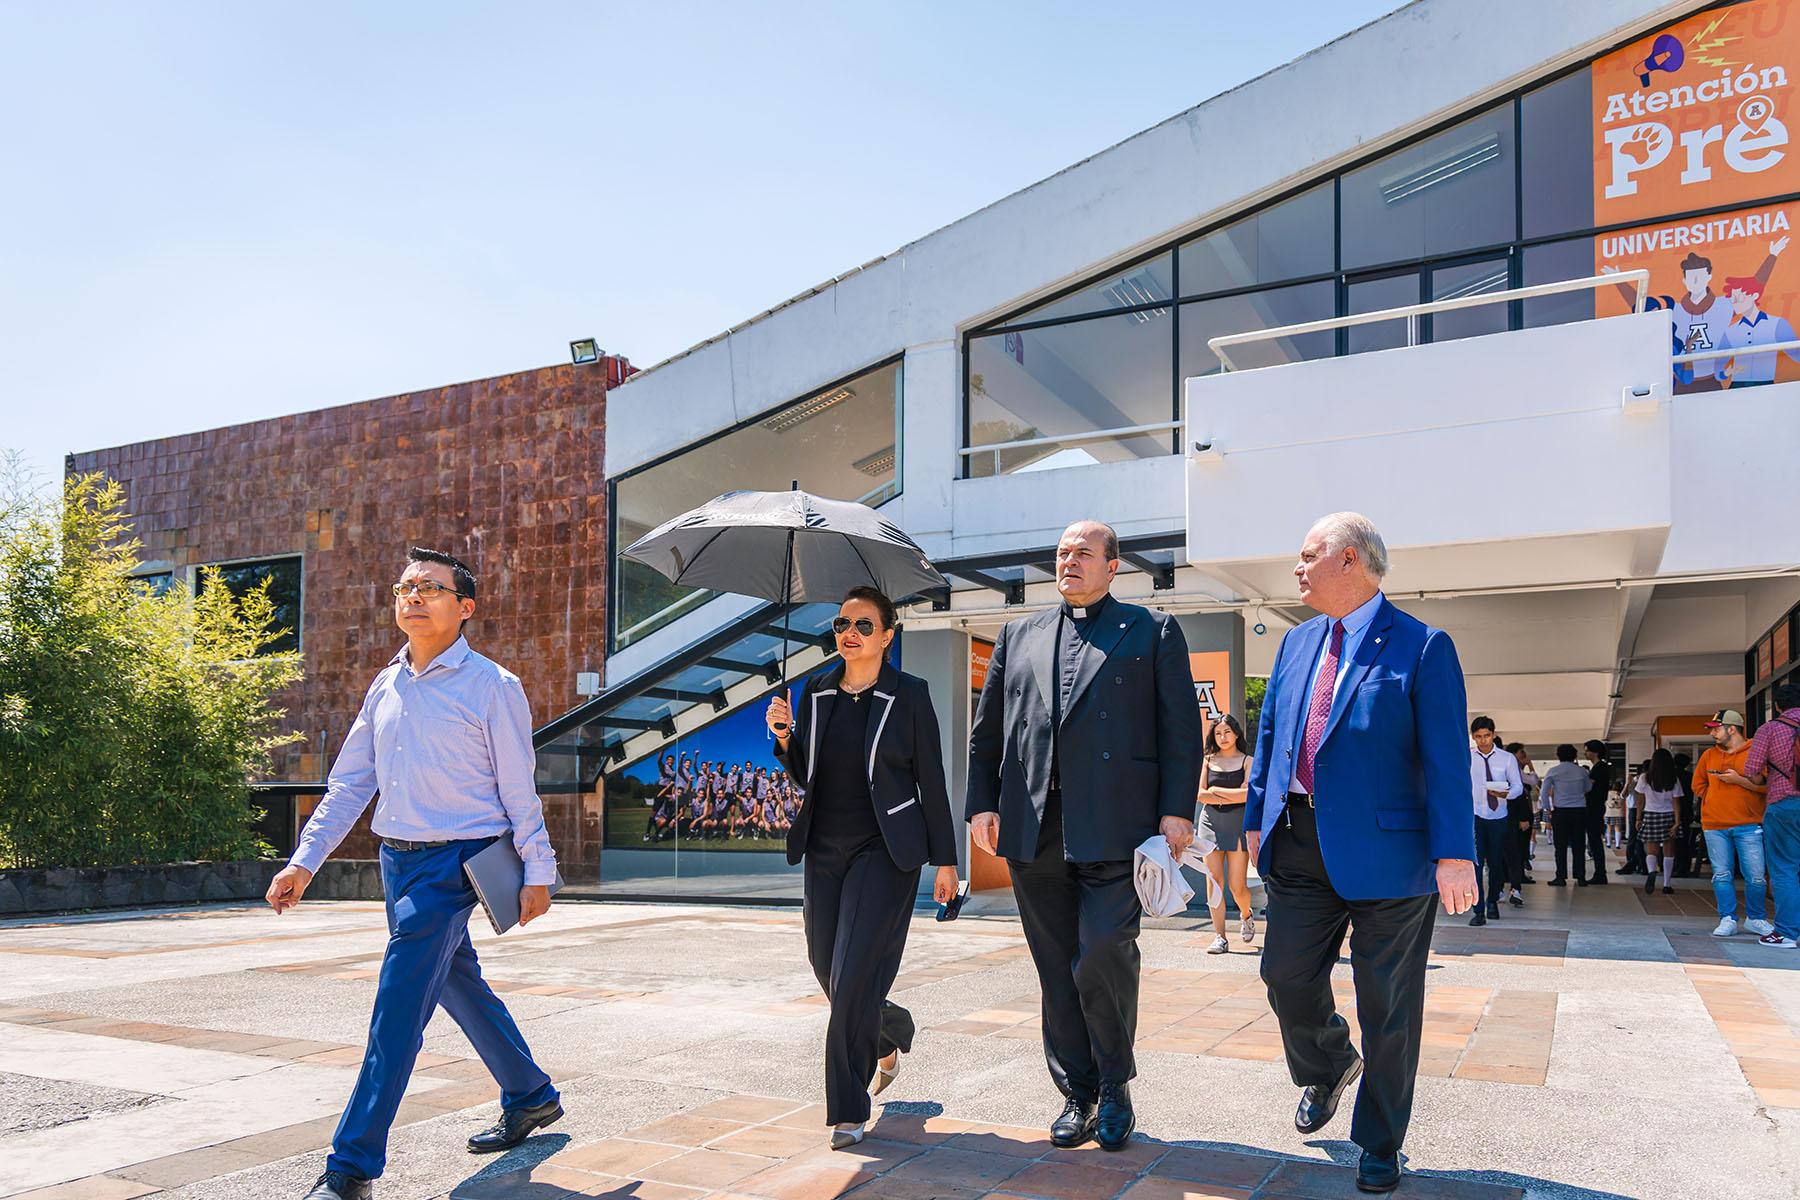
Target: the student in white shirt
pixel 1494 780
pixel 1658 789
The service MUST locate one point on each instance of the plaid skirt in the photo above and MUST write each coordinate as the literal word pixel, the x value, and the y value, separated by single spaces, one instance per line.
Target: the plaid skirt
pixel 1656 826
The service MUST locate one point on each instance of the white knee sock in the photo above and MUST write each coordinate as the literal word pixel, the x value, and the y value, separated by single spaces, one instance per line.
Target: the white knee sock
pixel 1650 864
pixel 1668 869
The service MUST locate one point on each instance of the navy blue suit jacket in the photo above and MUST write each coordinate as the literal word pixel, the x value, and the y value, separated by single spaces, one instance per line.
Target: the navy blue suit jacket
pixel 1391 779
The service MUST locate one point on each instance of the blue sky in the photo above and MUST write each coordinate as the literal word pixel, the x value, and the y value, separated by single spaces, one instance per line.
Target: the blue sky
pixel 222 212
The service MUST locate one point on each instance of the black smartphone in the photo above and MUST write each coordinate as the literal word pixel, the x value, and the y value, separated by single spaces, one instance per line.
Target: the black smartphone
pixel 951 908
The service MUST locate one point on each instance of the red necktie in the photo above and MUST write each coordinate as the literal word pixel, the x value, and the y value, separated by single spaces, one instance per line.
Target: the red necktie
pixel 1320 712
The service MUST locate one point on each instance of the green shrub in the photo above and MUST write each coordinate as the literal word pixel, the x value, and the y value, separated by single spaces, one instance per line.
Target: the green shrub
pixel 130 722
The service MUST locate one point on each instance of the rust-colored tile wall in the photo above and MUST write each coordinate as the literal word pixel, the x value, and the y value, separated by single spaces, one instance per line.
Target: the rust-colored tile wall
pixel 505 473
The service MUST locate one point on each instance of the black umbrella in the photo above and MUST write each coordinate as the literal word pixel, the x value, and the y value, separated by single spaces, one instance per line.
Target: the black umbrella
pixel 786 546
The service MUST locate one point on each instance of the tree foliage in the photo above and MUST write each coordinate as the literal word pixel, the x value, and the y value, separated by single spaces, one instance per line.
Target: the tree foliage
pixel 130 722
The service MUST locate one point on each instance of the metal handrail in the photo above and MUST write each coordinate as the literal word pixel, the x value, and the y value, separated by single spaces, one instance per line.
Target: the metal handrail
pixel 1736 352
pixel 1073 439
pixel 1640 276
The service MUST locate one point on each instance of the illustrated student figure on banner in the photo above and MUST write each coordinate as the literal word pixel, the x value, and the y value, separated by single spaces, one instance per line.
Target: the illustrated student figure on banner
pixel 1753 327
pixel 1699 318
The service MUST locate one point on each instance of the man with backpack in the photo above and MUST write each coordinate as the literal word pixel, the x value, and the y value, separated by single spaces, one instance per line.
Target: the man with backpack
pixel 1770 767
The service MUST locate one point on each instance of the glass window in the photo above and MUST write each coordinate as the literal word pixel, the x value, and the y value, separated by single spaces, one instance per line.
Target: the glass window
pixel 1148 283
pixel 283 575
pixel 1552 263
pixel 157 583
pixel 1206 319
pixel 839 443
pixel 1373 295
pixel 1447 193
pixel 1556 156
pixel 1097 374
pixel 1292 239
pixel 1470 279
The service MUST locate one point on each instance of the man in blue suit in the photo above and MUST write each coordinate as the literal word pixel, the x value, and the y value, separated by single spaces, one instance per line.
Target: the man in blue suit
pixel 1358 817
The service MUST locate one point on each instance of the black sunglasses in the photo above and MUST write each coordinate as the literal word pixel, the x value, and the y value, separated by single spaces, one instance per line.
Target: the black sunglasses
pixel 864 626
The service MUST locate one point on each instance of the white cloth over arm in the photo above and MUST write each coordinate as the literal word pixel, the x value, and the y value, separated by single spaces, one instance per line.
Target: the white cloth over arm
pixel 1161 887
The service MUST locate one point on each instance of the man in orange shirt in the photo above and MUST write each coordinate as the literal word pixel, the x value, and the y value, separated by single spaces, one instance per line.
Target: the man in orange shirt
pixel 1731 814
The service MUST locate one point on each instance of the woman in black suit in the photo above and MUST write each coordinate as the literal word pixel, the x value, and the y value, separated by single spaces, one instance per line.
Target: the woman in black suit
pixel 864 748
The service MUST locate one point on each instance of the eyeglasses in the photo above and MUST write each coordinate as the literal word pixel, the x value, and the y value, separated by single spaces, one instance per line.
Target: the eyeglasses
pixel 864 626
pixel 428 589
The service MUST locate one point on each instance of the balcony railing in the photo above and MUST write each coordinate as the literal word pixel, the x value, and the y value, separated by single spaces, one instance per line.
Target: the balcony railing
pixel 1640 278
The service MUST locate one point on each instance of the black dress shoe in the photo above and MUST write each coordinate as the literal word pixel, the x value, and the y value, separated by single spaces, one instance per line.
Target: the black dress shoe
pixel 1559 881
pixel 514 1126
pixel 1319 1102
pixel 1478 918
pixel 1597 879
pixel 1076 1125
pixel 1581 882
pixel 1115 1120
pixel 339 1185
pixel 1378 1172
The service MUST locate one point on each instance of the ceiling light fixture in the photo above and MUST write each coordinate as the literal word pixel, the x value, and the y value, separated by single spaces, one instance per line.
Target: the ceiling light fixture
pixel 879 463
pixel 806 410
pixel 1134 290
pixel 1448 165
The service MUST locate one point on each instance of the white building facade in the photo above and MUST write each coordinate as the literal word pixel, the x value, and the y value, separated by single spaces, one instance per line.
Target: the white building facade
pixel 1568 482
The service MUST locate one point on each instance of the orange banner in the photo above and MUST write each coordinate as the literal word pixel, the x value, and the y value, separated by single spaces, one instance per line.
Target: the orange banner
pixel 981 653
pixel 1726 285
pixel 1212 685
pixel 1696 115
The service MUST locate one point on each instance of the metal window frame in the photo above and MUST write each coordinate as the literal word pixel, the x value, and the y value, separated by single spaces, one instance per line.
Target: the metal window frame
pixel 612 483
pixel 298 556
pixel 1514 248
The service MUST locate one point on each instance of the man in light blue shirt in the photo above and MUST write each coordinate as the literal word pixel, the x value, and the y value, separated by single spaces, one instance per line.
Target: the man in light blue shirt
pixel 444 735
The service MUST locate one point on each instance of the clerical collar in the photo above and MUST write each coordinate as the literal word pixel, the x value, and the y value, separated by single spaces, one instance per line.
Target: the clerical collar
pixel 1081 614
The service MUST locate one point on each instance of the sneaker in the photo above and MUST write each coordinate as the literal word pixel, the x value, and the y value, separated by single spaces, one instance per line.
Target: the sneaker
pixel 1727 927
pixel 1220 945
pixel 1775 939
pixel 1758 926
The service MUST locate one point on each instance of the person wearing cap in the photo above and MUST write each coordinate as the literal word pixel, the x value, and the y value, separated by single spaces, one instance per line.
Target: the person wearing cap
pixel 1731 815
pixel 1752 327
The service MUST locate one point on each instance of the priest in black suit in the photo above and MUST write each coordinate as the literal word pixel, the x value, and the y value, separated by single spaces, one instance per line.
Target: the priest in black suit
pixel 1086 743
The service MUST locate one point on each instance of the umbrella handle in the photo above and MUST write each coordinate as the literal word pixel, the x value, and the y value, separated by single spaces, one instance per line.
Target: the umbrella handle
pixel 787 591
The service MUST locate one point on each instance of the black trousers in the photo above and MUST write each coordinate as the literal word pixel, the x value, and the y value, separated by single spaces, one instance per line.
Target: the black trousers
pixel 1518 849
pixel 1593 821
pixel 1081 923
pixel 858 906
pixel 1389 942
pixel 1490 858
pixel 1569 827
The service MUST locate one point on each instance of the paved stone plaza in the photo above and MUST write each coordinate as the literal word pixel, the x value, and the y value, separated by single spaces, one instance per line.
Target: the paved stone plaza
pixel 1599 1044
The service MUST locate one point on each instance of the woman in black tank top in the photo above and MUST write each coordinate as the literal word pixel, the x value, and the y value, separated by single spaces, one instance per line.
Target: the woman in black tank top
pixel 1222 794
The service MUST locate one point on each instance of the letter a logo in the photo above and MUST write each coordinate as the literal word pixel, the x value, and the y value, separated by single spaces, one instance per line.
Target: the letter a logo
pixel 1203 693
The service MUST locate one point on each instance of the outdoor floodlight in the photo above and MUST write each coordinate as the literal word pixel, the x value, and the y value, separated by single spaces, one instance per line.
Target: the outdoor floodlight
pixel 586 350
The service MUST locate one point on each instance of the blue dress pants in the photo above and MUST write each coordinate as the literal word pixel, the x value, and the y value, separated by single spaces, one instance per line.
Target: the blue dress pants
pixel 429 961
pixel 1781 851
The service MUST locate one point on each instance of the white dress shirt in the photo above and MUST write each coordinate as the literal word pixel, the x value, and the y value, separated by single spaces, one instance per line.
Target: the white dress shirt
pixel 449 749
pixel 1496 766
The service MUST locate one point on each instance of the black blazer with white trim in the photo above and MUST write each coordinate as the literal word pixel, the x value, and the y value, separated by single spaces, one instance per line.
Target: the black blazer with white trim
pixel 905 761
